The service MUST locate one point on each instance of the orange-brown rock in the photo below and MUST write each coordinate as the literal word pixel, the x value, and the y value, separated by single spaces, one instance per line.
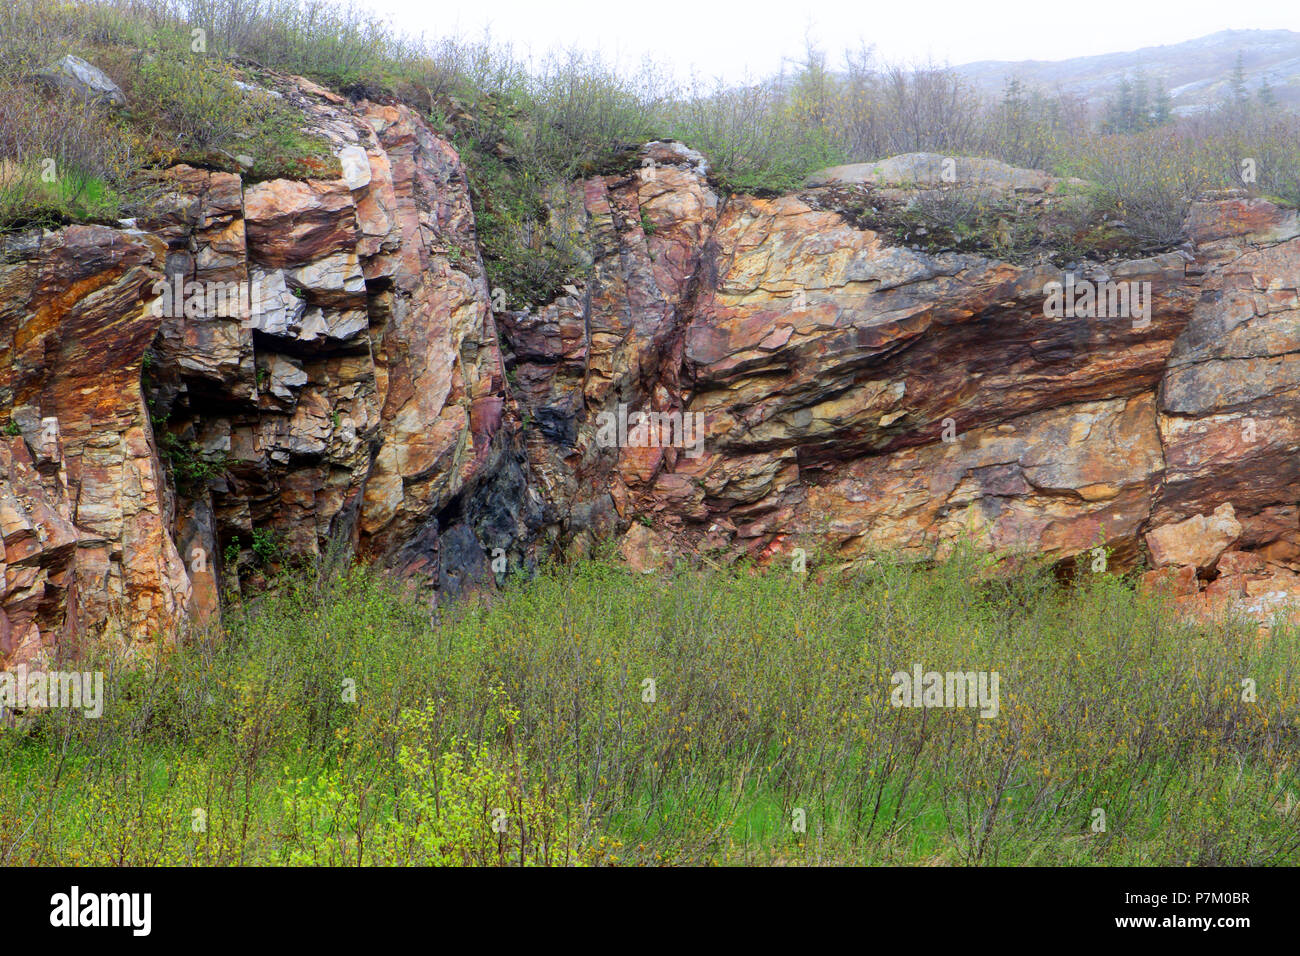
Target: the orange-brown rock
pixel 1239 562
pixel 853 394
pixel 342 391
pixel 857 394
pixel 87 519
pixel 1171 581
pixel 1198 541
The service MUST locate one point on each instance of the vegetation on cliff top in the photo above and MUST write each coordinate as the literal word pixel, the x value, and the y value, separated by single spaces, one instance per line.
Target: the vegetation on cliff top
pixel 526 130
pixel 598 716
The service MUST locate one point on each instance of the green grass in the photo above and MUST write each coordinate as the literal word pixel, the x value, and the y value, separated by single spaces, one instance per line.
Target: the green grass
pixel 27 199
pixel 772 695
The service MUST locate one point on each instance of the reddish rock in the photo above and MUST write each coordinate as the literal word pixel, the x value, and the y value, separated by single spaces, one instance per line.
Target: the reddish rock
pixel 1198 541
pixel 644 549
pixel 1173 581
pixel 1239 562
pixel 1240 216
pixel 292 222
pixel 854 395
pixel 73 329
pixel 1226 586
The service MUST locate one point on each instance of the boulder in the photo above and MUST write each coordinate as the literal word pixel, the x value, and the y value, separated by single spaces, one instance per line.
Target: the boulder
pixel 1170 581
pixel 1198 541
pixel 1239 562
pixel 644 549
pixel 930 170
pixel 356 166
pixel 86 81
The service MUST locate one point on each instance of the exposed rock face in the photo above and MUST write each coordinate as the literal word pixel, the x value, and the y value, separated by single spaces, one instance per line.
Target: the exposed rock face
pixel 86 517
pixel 320 371
pixel 618 340
pixel 366 395
pixel 274 371
pixel 903 398
pixel 857 395
pixel 1197 542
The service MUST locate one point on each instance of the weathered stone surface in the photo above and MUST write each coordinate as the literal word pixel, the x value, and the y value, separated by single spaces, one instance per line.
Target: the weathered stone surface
pixel 356 167
pixel 613 339
pixel 347 395
pixel 1230 399
pixel 291 222
pixel 203 298
pixel 80 78
pixel 1241 216
pixel 918 170
pixel 1171 581
pixel 437 357
pixel 37 562
pixel 643 549
pixel 73 329
pixel 857 395
pixel 1198 541
pixel 852 395
pixel 1239 562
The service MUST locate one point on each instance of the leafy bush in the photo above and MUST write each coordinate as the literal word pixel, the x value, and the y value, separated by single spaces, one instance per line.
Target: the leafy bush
pixel 332 723
pixel 267 545
pixel 194 98
pixel 191 469
pixel 526 132
pixel 1149 181
pixel 753 138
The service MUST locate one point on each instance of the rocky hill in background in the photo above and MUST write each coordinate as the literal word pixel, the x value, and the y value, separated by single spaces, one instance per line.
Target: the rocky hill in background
pixel 1196 73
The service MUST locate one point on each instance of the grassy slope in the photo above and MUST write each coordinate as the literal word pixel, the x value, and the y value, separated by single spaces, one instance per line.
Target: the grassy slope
pixel 771 695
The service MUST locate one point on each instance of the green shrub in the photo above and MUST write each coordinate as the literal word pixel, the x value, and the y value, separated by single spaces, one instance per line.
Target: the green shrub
pixel 753 138
pixel 332 723
pixel 267 545
pixel 1149 181
pixel 193 99
pixel 190 468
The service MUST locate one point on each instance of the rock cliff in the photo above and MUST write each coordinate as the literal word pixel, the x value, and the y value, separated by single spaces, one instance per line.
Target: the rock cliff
pixel 261 372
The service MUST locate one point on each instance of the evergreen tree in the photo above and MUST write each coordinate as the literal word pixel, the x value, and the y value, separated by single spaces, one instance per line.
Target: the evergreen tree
pixel 1265 95
pixel 1119 108
pixel 1136 106
pixel 1140 117
pixel 1161 110
pixel 1237 94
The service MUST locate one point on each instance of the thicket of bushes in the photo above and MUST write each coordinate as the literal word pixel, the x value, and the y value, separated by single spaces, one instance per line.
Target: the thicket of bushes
pixel 600 716
pixel 527 128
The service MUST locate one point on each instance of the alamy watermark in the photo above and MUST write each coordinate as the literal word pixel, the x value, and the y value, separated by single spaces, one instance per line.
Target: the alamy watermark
pixel 1084 299
pixel 640 429
pixel 29 689
pixel 178 299
pixel 922 688
pixel 74 909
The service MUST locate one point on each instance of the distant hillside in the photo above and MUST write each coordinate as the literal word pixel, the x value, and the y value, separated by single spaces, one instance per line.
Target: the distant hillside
pixel 1196 72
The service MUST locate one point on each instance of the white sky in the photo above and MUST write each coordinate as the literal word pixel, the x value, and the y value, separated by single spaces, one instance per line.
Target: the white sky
pixel 737 39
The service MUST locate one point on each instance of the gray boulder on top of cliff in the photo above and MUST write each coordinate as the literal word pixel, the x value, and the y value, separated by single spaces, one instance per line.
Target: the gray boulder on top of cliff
pixel 88 82
pixel 932 170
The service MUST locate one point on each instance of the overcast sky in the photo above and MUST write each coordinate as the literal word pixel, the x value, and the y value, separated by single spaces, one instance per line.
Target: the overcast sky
pixel 736 39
